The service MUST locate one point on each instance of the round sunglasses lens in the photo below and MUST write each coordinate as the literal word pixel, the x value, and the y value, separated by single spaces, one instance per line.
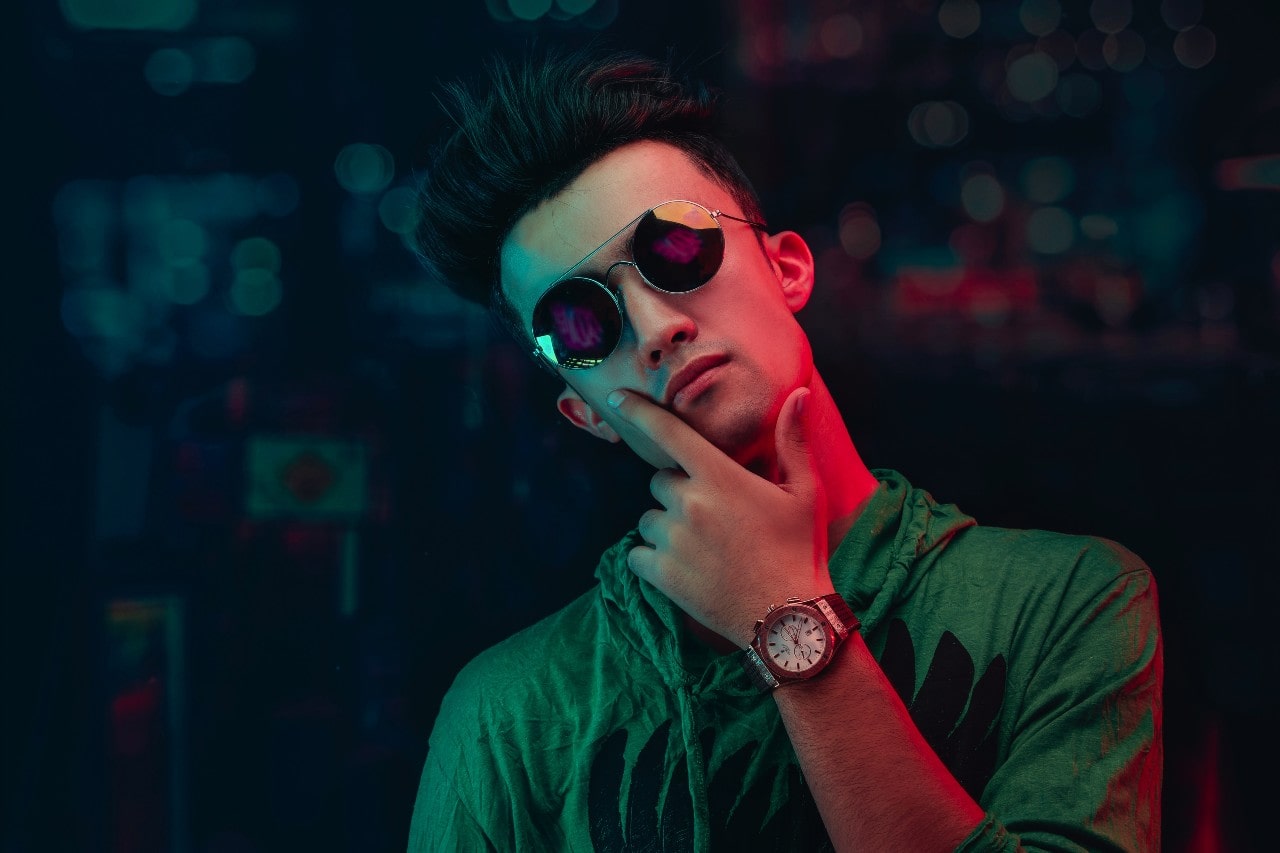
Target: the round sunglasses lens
pixel 576 323
pixel 678 246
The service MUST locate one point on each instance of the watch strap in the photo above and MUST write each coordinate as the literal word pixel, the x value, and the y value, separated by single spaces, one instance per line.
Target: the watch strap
pixel 837 613
pixel 761 678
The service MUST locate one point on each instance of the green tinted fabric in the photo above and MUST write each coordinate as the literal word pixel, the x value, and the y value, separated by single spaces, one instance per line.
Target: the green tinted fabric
pixel 1030 661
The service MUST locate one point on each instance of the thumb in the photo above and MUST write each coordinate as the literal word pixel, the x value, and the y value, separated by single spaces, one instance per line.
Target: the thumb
pixel 791 437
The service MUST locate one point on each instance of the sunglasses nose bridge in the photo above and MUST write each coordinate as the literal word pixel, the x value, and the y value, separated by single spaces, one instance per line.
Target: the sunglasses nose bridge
pixel 652 317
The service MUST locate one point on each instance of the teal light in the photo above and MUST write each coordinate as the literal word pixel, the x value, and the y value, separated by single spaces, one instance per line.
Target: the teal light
pixel 364 168
pixel 129 14
pixel 181 241
pixel 189 284
pixel 256 253
pixel 255 292
pixel 169 71
pixel 227 60
pixel 398 210
pixel 529 10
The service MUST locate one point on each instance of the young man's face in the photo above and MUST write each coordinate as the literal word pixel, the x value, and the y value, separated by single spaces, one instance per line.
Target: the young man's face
pixel 737 331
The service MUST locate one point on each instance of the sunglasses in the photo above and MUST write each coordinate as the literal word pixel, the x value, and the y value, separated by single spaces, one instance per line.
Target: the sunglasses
pixel 676 247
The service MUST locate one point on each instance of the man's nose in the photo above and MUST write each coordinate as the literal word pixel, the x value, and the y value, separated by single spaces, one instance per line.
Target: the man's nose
pixel 658 320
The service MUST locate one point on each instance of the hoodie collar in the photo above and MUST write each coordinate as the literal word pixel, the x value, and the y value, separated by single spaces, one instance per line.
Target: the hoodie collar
pixel 875 566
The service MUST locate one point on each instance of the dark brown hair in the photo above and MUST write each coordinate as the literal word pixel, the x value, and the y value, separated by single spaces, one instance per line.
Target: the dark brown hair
pixel 530 131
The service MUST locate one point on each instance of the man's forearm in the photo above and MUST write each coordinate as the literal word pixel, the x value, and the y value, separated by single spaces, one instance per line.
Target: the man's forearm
pixel 877 783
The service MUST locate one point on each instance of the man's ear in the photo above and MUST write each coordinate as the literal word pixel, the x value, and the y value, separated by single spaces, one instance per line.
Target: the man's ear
pixel 580 414
pixel 793 265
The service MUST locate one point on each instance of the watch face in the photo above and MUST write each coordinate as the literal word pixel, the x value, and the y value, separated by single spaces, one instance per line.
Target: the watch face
pixel 795 641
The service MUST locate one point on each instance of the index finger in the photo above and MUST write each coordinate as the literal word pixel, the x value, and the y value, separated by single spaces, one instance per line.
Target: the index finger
pixel 653 426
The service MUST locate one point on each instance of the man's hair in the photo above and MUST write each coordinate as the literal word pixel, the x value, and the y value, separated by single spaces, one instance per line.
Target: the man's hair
pixel 536 127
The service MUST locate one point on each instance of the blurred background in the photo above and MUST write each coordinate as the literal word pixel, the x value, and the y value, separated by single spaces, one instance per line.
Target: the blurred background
pixel 258 466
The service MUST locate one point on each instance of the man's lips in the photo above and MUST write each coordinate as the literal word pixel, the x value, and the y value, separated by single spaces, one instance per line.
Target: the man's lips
pixel 687 374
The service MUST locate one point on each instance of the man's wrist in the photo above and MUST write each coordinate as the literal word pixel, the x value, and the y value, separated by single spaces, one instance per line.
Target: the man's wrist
pixel 797 640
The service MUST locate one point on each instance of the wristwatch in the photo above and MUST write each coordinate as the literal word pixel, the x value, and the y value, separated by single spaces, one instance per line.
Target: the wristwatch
pixel 797 640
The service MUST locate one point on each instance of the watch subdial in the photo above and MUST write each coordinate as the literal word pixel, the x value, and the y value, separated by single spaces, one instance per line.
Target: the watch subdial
pixel 796 643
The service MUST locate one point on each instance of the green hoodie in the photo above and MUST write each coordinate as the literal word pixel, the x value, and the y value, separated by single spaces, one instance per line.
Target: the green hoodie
pixel 1030 661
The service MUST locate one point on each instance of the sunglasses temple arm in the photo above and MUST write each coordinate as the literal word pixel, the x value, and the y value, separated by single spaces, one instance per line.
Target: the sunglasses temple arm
pixel 716 214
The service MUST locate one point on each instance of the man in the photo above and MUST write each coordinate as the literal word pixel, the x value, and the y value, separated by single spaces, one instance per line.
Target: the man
pixel 715 690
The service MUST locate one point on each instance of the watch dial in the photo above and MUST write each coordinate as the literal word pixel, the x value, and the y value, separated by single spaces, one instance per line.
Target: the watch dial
pixel 796 642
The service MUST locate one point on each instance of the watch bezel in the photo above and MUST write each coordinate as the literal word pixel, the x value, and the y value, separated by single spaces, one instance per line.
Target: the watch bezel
pixel 776 615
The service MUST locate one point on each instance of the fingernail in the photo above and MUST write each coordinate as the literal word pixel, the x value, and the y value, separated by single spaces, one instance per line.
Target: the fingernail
pixel 615 398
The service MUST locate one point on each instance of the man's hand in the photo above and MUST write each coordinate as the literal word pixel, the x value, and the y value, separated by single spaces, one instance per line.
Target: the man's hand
pixel 728 543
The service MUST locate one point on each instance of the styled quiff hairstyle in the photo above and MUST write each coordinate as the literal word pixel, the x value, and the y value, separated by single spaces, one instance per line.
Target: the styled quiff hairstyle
pixel 537 126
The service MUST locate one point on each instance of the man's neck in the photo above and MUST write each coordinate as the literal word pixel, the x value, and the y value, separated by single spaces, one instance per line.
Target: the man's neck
pixel 847 484
pixel 846 481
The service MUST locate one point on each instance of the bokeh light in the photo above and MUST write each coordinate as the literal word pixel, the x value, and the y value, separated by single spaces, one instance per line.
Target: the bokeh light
pixel 938 124
pixel 1195 46
pixel 1111 16
pixel 135 15
pixel 228 60
pixel 256 253
pixel 189 283
pixel 1099 226
pixel 1089 50
pixel 1040 17
pixel 398 210
pixel 100 309
pixel 1124 51
pixel 169 71
pixel 85 220
pixel 255 292
pixel 841 35
pixel 959 18
pixel 499 11
pixel 1115 297
pixel 1060 46
pixel 181 241
pixel 529 10
pixel 1032 77
pixel 364 168
pixel 982 196
pixel 1046 180
pixel 1050 230
pixel 575 7
pixel 859 231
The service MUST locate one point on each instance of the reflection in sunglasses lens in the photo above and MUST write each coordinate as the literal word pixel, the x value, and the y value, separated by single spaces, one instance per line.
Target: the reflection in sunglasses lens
pixel 678 247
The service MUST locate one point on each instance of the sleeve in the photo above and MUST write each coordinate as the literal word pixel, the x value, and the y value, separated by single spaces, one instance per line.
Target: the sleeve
pixel 442 819
pixel 1084 763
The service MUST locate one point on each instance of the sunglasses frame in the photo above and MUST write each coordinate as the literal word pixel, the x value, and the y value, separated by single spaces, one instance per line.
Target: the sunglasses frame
pixel 548 358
